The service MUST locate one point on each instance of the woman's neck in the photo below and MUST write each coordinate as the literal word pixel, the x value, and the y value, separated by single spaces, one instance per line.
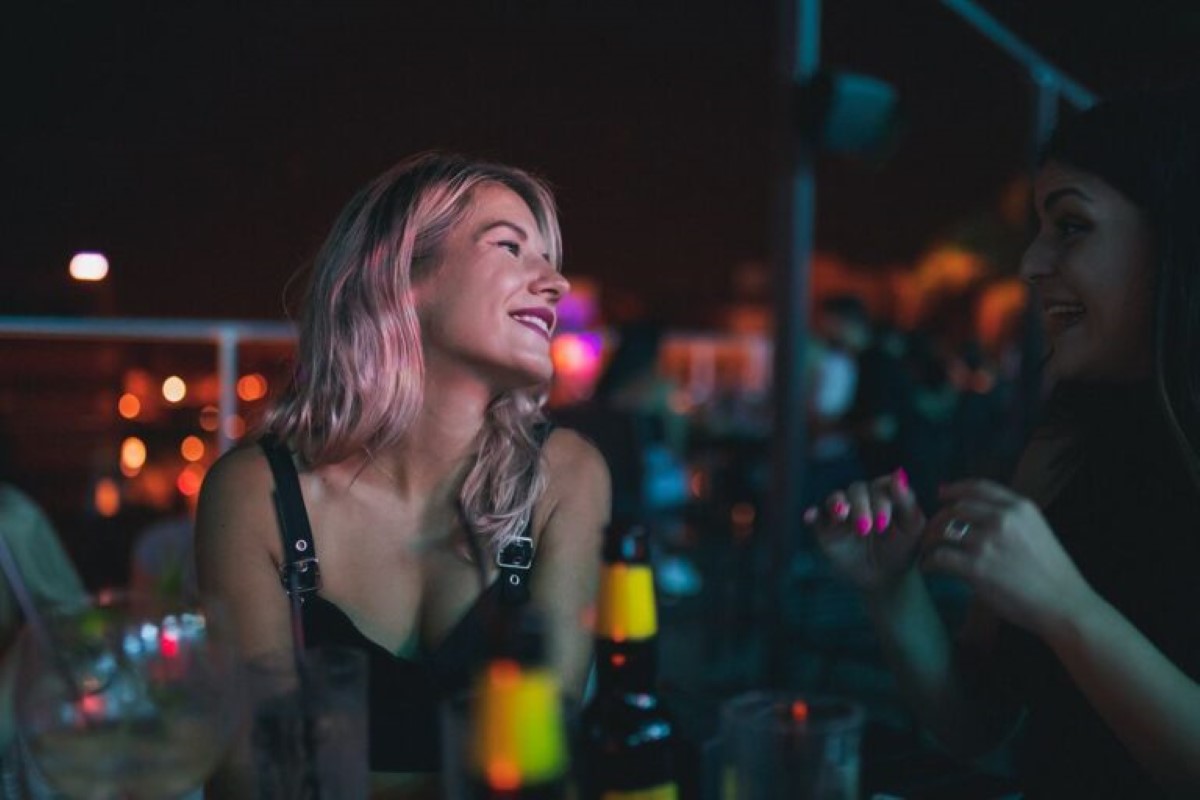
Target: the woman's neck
pixel 435 453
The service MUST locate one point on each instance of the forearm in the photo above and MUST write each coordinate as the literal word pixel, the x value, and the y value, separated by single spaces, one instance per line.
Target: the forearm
pixel 1148 702
pixel 931 679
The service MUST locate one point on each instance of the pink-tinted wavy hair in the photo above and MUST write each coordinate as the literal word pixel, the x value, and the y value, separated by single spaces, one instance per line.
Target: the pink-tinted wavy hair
pixel 359 375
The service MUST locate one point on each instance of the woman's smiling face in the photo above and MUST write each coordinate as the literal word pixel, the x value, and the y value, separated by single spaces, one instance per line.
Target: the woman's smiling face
pixel 1090 266
pixel 488 307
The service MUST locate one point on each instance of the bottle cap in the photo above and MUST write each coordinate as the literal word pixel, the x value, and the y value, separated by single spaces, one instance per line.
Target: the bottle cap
pixel 627 541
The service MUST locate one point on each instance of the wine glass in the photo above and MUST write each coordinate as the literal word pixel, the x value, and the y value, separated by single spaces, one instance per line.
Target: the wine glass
pixel 127 697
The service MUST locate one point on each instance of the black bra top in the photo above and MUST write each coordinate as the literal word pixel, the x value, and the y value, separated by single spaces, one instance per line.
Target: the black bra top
pixel 403 693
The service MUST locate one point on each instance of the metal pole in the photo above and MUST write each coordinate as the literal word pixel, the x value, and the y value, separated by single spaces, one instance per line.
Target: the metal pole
pixel 227 356
pixel 800 51
pixel 991 28
pixel 1045 108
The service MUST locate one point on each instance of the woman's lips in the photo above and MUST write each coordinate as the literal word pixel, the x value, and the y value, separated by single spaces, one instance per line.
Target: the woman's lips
pixel 1061 316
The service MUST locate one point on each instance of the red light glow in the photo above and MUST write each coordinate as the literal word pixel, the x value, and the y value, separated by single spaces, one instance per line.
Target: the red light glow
pixel 503 775
pixel 168 644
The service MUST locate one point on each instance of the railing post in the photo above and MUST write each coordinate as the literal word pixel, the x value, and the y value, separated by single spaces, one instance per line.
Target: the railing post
pixel 227 357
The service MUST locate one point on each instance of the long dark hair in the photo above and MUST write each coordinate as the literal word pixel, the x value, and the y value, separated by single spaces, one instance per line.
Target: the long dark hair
pixel 1146 145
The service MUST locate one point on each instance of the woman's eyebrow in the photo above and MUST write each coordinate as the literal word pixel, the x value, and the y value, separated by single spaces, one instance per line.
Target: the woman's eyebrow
pixel 1059 194
pixel 501 223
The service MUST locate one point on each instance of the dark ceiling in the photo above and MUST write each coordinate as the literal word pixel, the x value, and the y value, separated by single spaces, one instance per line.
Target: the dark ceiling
pixel 205 147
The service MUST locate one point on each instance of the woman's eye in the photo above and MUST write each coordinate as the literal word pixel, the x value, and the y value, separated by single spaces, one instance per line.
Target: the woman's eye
pixel 512 247
pixel 1068 226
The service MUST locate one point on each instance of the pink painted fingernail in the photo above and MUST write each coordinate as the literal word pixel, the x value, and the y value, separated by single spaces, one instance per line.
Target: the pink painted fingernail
pixel 841 510
pixel 902 479
pixel 882 520
pixel 863 525
pixel 810 515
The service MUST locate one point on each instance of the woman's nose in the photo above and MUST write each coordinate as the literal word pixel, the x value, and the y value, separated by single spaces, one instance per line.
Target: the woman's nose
pixel 1037 262
pixel 551 283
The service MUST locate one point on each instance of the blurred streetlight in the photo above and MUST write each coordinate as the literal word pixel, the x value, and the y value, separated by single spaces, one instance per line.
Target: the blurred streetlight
pixel 89 267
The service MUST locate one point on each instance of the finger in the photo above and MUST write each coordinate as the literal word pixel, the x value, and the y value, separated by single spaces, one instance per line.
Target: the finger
pixel 978 489
pixel 860 508
pixel 837 506
pixel 905 508
pixel 828 519
pixel 954 561
pixel 981 516
pixel 880 494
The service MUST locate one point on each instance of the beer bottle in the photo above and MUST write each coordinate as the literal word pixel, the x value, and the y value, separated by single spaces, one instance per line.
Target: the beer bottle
pixel 629 738
pixel 518 747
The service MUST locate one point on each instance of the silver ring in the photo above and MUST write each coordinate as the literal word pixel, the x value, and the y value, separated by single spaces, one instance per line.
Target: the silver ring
pixel 956 530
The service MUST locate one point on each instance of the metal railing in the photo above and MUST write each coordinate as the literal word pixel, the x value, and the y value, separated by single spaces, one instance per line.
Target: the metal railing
pixel 225 334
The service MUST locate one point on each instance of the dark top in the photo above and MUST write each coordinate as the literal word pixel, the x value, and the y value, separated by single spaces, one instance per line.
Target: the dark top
pixel 1129 519
pixel 403 694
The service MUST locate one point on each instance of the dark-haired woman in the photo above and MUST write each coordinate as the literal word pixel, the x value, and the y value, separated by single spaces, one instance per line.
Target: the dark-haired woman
pixel 1083 636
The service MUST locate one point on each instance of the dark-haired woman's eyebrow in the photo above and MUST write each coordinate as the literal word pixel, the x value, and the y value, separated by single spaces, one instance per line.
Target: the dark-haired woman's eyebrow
pixel 1059 194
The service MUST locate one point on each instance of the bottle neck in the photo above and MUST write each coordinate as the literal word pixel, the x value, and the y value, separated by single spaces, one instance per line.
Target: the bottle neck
pixel 627 667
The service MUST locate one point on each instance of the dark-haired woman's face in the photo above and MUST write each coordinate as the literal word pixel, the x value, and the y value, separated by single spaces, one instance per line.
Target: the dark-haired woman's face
pixel 1090 266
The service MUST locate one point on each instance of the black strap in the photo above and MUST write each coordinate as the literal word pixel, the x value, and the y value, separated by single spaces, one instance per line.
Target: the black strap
pixel 300 572
pixel 515 559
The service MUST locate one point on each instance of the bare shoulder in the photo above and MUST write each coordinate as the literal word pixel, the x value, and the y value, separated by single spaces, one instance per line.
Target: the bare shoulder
pixel 240 473
pixel 236 496
pixel 578 488
pixel 573 465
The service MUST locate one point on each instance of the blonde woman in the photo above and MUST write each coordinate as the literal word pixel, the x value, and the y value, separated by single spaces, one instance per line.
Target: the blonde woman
pixel 432 489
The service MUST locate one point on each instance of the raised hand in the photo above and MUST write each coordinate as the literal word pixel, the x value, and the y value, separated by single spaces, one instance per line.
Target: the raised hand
pixel 870 532
pixel 1000 543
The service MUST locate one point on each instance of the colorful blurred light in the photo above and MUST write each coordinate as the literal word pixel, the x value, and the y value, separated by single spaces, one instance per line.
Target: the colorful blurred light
pixel 174 389
pixel 88 267
pixel 576 354
pixel 107 497
pixel 235 427
pixel 190 480
pixel 133 454
pixel 192 448
pixel 129 406
pixel 210 418
pixel 251 387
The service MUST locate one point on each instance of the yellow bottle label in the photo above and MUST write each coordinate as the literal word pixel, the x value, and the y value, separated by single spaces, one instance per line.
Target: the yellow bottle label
pixel 664 791
pixel 626 603
pixel 518 734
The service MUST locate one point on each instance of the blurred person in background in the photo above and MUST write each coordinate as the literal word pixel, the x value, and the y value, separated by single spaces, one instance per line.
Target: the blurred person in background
pixel 843 333
pixel 414 421
pixel 163 561
pixel 1082 639
pixel 883 400
pixel 632 419
pixel 52 582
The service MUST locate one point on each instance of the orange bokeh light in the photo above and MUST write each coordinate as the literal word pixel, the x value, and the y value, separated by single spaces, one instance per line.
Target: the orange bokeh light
pixel 192 448
pixel 251 387
pixel 189 480
pixel 133 454
pixel 210 418
pixel 129 406
pixel 107 497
